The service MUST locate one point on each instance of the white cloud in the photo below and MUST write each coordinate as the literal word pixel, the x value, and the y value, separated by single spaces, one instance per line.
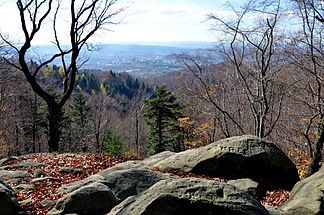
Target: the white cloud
pixel 145 21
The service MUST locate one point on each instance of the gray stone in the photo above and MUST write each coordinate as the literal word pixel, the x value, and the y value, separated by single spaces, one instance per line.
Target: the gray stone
pixel 121 183
pixel 34 180
pixel 24 187
pixel 122 166
pixel 26 202
pixel 274 210
pixel 151 161
pixel 8 202
pixel 95 198
pixel 101 176
pixel 237 157
pixel 24 164
pixel 39 173
pixel 9 175
pixel 69 170
pixel 67 188
pixel 125 183
pixel 7 159
pixel 148 163
pixel 48 203
pixel 190 196
pixel 307 196
pixel 249 186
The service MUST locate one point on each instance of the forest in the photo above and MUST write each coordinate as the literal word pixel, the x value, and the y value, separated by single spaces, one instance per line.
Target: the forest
pixel 268 83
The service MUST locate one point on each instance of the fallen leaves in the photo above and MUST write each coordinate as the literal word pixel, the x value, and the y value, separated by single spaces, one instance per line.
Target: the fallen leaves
pixel 45 189
pixel 276 197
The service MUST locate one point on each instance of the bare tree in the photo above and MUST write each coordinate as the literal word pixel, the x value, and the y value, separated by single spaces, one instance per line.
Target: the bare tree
pixel 307 54
pixel 252 50
pixel 210 86
pixel 137 128
pixel 86 17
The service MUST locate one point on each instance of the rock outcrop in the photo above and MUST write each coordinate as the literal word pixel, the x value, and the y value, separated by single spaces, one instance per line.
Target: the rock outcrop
pixel 190 196
pixel 114 188
pixel 307 196
pixel 146 164
pixel 237 157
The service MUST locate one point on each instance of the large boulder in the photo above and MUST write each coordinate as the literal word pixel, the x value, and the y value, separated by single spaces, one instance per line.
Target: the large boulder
pixel 8 202
pixel 95 198
pixel 114 188
pixel 307 196
pixel 237 157
pixel 190 196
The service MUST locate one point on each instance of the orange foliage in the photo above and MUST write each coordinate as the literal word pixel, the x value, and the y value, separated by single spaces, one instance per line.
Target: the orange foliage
pixel 194 136
pixel 301 159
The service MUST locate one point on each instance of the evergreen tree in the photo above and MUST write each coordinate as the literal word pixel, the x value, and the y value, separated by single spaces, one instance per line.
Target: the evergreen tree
pixel 79 118
pixel 81 110
pixel 114 144
pixel 162 114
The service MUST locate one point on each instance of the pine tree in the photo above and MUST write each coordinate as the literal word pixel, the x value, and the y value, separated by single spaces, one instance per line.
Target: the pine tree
pixel 162 114
pixel 79 116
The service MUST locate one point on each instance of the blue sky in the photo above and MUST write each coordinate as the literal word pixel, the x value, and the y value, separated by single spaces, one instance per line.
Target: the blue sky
pixel 145 21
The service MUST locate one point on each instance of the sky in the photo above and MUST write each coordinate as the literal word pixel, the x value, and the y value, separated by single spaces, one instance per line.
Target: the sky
pixel 143 21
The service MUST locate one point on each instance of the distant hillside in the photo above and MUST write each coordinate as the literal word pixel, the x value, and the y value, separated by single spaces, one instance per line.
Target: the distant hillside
pixel 114 84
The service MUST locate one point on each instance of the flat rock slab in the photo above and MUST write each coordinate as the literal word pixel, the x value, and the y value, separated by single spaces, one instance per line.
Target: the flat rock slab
pixel 190 196
pixel 3 161
pixel 147 163
pixel 24 164
pixel 42 179
pixel 237 157
pixel 18 174
pixel 70 170
pixel 130 182
pixel 68 188
pixel 24 187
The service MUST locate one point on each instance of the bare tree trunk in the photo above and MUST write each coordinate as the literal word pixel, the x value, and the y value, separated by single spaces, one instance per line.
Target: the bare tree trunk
pixel 86 18
pixel 137 132
pixel 54 127
pixel 34 129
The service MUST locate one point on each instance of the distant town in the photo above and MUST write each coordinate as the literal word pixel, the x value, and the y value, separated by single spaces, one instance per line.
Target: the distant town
pixel 137 59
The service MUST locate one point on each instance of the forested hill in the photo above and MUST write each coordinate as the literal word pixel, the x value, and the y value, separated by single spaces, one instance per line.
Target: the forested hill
pixel 111 83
